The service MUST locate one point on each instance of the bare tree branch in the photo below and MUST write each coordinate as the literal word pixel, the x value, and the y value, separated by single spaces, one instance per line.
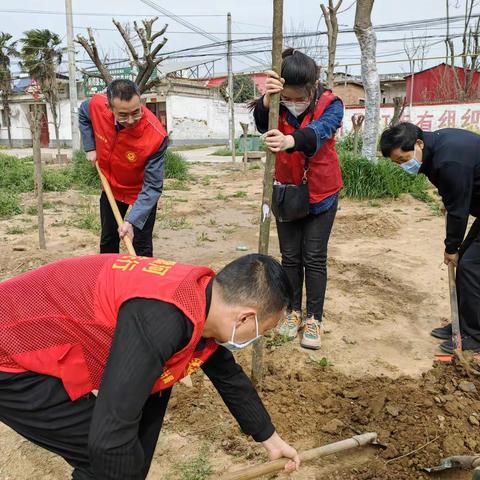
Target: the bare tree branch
pixel 90 47
pixel 159 33
pixel 89 73
pixel 126 38
pixel 143 38
pixel 331 22
pixel 152 84
pixel 145 63
pixel 159 47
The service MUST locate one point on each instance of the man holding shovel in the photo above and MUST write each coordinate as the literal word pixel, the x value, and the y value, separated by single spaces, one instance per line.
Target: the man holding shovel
pixel 130 327
pixel 129 144
pixel 450 158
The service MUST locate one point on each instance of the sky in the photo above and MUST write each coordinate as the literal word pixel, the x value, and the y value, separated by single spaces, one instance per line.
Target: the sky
pixel 250 18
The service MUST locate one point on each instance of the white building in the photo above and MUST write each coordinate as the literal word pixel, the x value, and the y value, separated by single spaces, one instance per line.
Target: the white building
pixel 191 112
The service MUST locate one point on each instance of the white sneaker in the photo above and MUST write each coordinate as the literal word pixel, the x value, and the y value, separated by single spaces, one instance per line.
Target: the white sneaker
pixel 311 334
pixel 289 325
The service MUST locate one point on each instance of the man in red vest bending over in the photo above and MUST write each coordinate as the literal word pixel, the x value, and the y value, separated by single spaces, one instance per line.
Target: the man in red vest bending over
pixel 130 327
pixel 129 144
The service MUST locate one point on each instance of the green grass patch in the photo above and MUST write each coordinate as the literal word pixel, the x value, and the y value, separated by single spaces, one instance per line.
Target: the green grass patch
pixel 185 148
pixel 221 196
pixel 240 194
pixel 84 174
pixel 176 166
pixel 31 210
pixel 365 180
pixel 15 231
pixel 222 152
pixel 178 185
pixel 195 468
pixel 87 219
pixel 9 204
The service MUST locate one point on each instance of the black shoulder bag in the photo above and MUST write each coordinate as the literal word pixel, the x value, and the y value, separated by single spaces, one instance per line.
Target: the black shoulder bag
pixel 291 202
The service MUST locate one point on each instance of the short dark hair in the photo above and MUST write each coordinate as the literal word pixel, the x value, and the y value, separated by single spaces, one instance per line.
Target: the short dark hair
pixel 255 280
pixel 123 89
pixel 404 136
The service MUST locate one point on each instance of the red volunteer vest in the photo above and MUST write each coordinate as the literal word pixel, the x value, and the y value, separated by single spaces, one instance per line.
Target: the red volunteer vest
pixel 324 174
pixel 122 154
pixel 59 320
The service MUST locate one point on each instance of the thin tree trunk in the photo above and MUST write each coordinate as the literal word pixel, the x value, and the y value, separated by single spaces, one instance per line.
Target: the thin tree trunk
pixel 6 108
pixel 35 127
pixel 266 208
pixel 368 46
pixel 53 109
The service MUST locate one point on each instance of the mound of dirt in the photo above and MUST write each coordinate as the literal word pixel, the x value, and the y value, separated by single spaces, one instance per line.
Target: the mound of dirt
pixel 362 225
pixel 313 405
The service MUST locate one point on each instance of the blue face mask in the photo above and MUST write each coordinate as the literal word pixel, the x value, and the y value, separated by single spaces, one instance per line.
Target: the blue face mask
pixel 232 345
pixel 412 166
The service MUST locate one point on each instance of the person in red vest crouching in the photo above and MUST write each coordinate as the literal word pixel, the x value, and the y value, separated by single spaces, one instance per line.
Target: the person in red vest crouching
pixel 130 327
pixel 129 144
pixel 307 183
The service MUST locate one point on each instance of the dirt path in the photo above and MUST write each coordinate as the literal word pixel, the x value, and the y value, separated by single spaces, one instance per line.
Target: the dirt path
pixel 387 289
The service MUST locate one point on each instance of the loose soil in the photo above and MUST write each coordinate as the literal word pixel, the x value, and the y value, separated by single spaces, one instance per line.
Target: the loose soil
pixel 387 289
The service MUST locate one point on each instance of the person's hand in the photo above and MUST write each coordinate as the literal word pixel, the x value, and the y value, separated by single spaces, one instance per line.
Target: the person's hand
pixel 442 208
pixel 278 448
pixel 92 157
pixel 450 258
pixel 273 84
pixel 126 229
pixel 276 141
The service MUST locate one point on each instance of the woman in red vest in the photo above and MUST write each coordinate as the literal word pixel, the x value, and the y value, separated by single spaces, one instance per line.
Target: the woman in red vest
pixel 130 328
pixel 304 144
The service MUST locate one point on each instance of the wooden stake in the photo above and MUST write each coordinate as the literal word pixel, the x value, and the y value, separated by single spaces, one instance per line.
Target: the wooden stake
pixel 277 465
pixel 116 212
pixel 245 142
pixel 265 213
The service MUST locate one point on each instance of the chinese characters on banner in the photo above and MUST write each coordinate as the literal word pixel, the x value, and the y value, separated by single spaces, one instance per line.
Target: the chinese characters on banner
pixel 427 117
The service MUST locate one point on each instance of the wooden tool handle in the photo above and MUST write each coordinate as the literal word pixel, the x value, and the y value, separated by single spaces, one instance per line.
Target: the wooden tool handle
pixel 113 205
pixel 277 465
pixel 452 287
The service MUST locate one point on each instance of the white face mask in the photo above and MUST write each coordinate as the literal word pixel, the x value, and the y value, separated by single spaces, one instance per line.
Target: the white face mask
pixel 296 108
pixel 232 345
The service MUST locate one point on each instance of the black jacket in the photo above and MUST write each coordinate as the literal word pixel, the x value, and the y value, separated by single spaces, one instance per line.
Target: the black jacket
pixel 451 161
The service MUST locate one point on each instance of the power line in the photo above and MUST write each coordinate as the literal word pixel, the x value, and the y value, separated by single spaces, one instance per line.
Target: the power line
pixel 188 24
pixel 96 14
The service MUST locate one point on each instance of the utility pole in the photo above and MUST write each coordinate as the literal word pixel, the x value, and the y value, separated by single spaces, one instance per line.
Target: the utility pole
pixel 231 103
pixel 266 208
pixel 72 81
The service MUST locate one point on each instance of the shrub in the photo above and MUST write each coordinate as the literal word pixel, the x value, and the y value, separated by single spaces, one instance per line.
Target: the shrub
pixel 366 180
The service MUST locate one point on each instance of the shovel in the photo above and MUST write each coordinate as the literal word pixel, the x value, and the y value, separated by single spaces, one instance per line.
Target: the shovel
pixel 456 335
pixel 466 462
pixel 114 207
pixel 277 465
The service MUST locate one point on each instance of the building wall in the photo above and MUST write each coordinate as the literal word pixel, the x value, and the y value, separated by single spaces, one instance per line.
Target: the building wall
pixel 20 128
pixel 203 119
pixel 394 89
pixel 427 117
pixel 191 119
pixel 437 85
pixel 350 94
